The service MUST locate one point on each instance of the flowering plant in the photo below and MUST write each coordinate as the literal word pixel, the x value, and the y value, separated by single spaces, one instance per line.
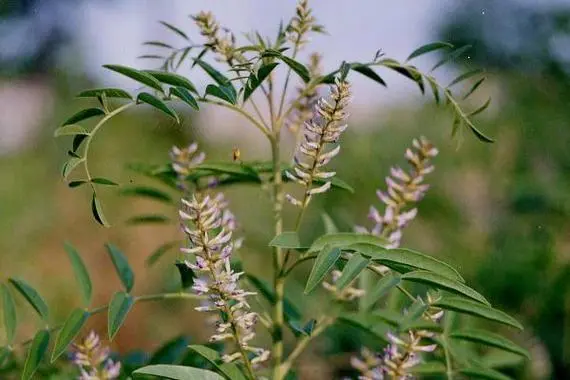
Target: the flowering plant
pixel 422 333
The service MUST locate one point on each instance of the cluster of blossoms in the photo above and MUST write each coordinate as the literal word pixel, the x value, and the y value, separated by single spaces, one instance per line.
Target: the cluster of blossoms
pixel 220 40
pixel 322 130
pixel 183 160
pixel 308 96
pixel 209 233
pixel 93 360
pixel 404 189
pixel 302 23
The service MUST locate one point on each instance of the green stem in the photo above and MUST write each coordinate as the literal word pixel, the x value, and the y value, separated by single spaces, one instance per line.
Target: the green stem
pixel 244 113
pixel 448 366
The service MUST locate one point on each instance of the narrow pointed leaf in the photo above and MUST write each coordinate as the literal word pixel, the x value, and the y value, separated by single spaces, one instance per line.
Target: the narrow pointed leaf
pixel 5 353
pixel 397 257
pixel 255 81
pixel 172 79
pixel 68 332
pixel 288 239
pixel 97 211
pixel 429 48
pixel 70 130
pixel 185 95
pixel 147 192
pixel 32 296
pixel 175 29
pixel 221 92
pixel 429 368
pixel 159 252
pixel 37 350
pixel 218 77
pixel 119 307
pixel 465 76
pixel 346 239
pixel 434 89
pixel 158 44
pixel 136 75
pixel 187 275
pixel 480 109
pixel 8 313
pixel 122 266
pixel 152 100
pixel 381 288
pixel 70 165
pixel 146 219
pixel 77 140
pixel 171 352
pixel 84 115
pixel 81 273
pixel 474 87
pixel 489 339
pixel 104 181
pixel 330 226
pixel 352 269
pixel 483 373
pixel 324 263
pixel 297 67
pixel 477 309
pixel 367 72
pixel 108 92
pixel 444 283
pixel 451 56
pixel 176 372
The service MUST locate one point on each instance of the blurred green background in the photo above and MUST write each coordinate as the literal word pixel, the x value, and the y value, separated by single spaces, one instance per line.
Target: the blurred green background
pixel 500 212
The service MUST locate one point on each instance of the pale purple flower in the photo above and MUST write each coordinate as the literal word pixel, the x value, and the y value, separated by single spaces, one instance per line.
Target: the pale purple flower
pixel 93 360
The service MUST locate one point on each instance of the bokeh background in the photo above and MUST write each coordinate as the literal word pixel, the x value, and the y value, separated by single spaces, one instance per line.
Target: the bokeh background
pixel 498 212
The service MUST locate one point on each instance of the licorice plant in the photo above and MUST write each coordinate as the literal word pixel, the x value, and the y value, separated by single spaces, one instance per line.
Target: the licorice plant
pixel 359 269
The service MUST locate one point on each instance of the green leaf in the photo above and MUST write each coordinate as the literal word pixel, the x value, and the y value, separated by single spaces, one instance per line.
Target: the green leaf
pixel 324 263
pixel 288 239
pixel 84 115
pixel 81 273
pixel 480 135
pixel 32 296
pixel 159 252
pixel 36 352
pixel 77 140
pixel 108 92
pixel 290 311
pixel 483 373
pixel 171 352
pixel 465 76
pixel 176 372
pixel 480 109
pixel 489 339
pixel 429 48
pixel 462 305
pixel 229 371
pixel 187 275
pixel 104 181
pixel 218 77
pixel 371 324
pixel 444 283
pixel 172 79
pixel 119 307
pixel 398 257
pixel 223 92
pixel 355 265
pixel 345 239
pixel 383 286
pixel 9 313
pixel 429 368
pixel 68 332
pixel 70 130
pixel 255 80
pixel 5 353
pixel 297 67
pixel 70 165
pixel 434 88
pixel 339 183
pixel 367 72
pixel 474 87
pixel 152 100
pixel 122 266
pixel 309 327
pixel 147 192
pixel 97 211
pixel 146 219
pixel 420 324
pixel 136 75
pixel 184 95
pixel 158 44
pixel 452 56
pixel 230 168
pixel 175 29
pixel 330 226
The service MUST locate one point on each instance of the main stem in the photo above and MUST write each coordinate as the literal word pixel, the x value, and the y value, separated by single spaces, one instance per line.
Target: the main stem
pixel 278 259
